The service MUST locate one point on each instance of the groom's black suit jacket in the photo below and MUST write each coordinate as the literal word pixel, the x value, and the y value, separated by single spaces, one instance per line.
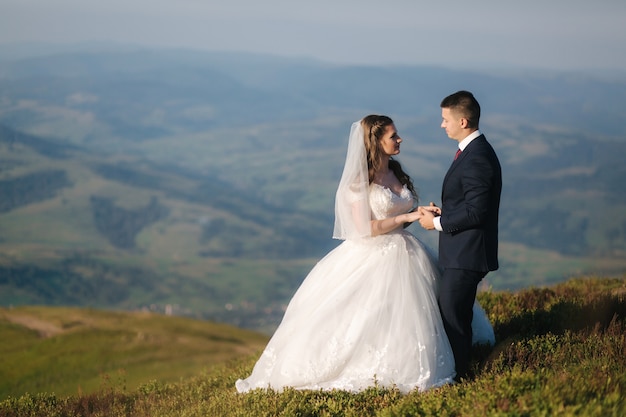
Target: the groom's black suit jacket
pixel 470 201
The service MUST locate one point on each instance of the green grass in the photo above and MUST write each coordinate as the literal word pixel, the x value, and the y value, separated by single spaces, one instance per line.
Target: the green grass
pixel 69 350
pixel 560 351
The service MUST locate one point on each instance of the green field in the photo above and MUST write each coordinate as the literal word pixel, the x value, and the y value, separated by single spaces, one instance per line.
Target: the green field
pixel 560 351
pixel 71 351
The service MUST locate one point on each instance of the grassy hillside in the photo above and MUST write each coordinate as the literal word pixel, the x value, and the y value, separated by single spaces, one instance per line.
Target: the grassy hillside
pixel 560 351
pixel 69 351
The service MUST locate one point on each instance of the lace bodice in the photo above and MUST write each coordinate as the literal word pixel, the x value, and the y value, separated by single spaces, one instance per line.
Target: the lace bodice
pixel 385 203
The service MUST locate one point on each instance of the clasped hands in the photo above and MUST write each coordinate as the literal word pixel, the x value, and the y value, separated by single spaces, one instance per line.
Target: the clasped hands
pixel 426 214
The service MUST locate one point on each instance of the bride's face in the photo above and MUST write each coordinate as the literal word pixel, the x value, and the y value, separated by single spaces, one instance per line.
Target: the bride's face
pixel 390 142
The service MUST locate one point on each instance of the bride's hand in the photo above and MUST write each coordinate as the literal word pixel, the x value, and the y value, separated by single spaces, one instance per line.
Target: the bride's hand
pixel 411 216
pixel 424 215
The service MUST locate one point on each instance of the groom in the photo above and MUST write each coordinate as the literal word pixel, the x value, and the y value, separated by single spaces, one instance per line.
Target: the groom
pixel 467 222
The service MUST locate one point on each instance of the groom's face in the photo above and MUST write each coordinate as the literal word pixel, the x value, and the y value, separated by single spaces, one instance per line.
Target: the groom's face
pixel 452 123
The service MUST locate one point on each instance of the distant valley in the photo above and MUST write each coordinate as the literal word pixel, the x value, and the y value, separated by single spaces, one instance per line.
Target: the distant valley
pixel 203 183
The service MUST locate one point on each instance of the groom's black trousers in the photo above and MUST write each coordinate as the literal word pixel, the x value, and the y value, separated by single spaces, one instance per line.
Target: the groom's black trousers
pixel 457 292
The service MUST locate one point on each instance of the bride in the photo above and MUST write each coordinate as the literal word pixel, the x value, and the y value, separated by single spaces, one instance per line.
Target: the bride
pixel 367 314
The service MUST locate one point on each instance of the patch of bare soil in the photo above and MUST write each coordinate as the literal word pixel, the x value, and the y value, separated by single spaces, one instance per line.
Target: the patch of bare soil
pixel 42 327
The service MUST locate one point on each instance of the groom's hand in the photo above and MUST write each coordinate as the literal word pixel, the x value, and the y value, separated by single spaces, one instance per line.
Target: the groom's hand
pixel 427 214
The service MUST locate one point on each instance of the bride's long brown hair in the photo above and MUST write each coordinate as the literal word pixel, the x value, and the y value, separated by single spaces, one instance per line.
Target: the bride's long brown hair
pixel 374 127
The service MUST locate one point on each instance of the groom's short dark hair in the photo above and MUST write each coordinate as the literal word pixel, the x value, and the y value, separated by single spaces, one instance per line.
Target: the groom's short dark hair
pixel 464 103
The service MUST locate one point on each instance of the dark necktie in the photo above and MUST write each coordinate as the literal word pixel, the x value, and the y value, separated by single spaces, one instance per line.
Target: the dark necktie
pixel 458 152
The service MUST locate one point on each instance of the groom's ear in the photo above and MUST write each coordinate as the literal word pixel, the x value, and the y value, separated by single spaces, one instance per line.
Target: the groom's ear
pixel 464 122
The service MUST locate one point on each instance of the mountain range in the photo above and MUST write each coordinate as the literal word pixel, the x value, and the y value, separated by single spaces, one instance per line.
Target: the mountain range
pixel 203 183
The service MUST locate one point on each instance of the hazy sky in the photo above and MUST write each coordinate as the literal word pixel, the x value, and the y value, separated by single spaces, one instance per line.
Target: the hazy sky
pixel 556 34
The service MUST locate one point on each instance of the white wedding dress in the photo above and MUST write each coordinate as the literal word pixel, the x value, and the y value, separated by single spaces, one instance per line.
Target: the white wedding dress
pixel 365 315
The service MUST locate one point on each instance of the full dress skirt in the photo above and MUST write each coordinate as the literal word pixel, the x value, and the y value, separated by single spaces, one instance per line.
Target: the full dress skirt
pixel 366 315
